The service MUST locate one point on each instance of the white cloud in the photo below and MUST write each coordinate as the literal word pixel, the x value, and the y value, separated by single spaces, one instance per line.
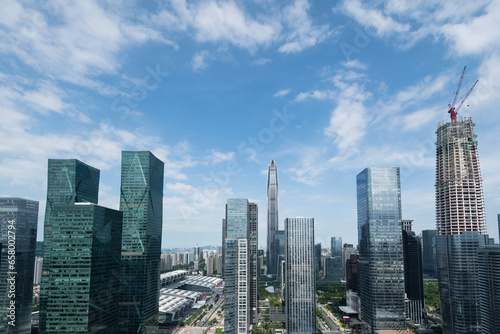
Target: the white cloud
pixel 355 64
pixel 302 32
pixel 198 62
pixel 85 40
pixel 217 21
pixel 314 95
pixel 217 157
pixel 416 120
pixel 471 27
pixel 476 35
pixel 281 93
pixel 348 124
pixel 262 61
pixel 373 18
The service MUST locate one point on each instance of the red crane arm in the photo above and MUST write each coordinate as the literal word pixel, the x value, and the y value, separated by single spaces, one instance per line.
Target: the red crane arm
pixel 466 96
pixel 458 89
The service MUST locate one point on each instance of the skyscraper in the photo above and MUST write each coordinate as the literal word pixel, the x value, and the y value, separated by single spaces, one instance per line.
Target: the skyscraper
pixel 18 224
pixel 414 282
pixel 461 225
pixel 317 259
pixel 272 216
pixel 69 181
pixel 240 267
pixel 279 239
pixel 347 251
pixel 381 271
pixel 300 285
pixel 498 217
pixel 336 246
pixel 141 201
pixel 253 223
pixel 84 289
pixel 489 288
pixel 429 252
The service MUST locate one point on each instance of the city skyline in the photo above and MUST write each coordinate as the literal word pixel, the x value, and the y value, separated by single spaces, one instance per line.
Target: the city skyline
pixel 324 89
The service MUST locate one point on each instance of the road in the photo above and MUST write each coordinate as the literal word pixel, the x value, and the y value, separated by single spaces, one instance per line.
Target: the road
pixel 329 321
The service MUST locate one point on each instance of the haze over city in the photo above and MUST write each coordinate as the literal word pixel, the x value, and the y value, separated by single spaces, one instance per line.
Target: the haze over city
pixel 323 88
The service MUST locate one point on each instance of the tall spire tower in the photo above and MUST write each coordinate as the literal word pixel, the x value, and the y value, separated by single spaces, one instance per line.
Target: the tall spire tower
pixel 460 224
pixel 272 216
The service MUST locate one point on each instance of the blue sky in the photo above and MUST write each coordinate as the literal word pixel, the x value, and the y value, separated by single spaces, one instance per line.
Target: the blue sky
pixel 216 89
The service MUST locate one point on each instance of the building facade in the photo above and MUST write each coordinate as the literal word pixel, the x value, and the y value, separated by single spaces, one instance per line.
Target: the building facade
pixel 83 296
pixel 240 267
pixel 336 246
pixel 18 225
pixel 272 216
pixel 489 288
pixel 347 251
pixel 279 239
pixel 429 252
pixel 69 181
pixel 414 281
pixel 460 224
pixel 300 284
pixel 81 263
pixel 141 201
pixel 381 269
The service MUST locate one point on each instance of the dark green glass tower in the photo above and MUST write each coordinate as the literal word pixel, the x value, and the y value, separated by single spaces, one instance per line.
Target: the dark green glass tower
pixel 82 245
pixel 141 201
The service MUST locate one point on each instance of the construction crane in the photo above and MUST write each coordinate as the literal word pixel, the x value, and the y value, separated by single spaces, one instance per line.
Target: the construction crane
pixel 454 111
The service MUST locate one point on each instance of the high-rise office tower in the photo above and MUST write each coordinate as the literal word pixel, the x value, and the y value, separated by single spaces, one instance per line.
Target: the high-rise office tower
pixel 300 285
pixel 347 251
pixel 196 253
pixel 336 246
pixel 489 288
pixel 37 279
pixel 279 239
pixel 253 222
pixel 498 217
pixel 461 225
pixel 429 252
pixel 69 181
pixel 414 281
pixel 240 268
pixel 18 224
pixel 333 269
pixel 83 295
pixel 141 201
pixel 317 259
pixel 272 216
pixel 352 283
pixel 381 270
pixel 352 273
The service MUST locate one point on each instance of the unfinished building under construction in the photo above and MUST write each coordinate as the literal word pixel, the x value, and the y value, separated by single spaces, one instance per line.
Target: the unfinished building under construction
pixel 460 223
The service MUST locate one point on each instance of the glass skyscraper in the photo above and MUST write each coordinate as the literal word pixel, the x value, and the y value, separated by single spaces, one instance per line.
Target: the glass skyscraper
pixel 69 181
pixel 141 201
pixel 489 288
pixel 272 216
pixel 83 293
pixel 300 284
pixel 381 270
pixel 414 282
pixel 18 225
pixel 460 223
pixel 81 263
pixel 336 246
pixel 240 267
pixel 429 252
